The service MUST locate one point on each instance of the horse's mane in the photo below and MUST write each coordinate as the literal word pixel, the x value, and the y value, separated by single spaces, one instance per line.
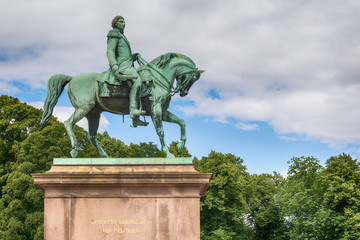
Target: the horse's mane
pixel 164 60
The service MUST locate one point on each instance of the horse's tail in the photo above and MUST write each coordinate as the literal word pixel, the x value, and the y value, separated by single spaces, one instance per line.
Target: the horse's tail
pixel 56 85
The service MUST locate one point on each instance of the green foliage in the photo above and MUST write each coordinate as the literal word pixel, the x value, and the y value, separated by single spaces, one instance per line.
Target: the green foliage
pixel 224 206
pixel 322 203
pixel 29 149
pixel 17 122
pixel 114 147
pixel 301 196
pixel 341 180
pixel 174 149
pixel 265 214
pixel 144 150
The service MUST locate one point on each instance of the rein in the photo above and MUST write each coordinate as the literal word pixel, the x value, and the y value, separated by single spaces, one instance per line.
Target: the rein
pixel 171 89
pixel 161 84
pixel 182 84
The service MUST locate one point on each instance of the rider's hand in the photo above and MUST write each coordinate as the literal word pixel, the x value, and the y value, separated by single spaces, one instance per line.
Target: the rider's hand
pixel 141 61
pixel 118 75
pixel 135 57
pixel 115 68
pixel 116 72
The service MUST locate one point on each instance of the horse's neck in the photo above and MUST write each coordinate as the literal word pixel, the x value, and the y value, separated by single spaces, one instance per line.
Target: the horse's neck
pixel 171 71
pixel 176 67
pixel 165 76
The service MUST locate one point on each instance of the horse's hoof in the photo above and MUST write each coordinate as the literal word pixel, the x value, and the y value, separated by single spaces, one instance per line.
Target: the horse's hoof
pixel 74 153
pixel 169 155
pixel 105 155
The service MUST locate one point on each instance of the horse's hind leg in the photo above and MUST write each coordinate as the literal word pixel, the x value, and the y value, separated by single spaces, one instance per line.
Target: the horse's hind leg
pixel 93 118
pixel 70 123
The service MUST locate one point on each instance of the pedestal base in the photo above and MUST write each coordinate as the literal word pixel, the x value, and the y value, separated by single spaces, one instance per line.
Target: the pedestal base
pixel 147 202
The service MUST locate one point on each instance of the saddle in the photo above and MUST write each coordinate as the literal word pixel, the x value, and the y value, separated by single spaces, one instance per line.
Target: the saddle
pixel 121 89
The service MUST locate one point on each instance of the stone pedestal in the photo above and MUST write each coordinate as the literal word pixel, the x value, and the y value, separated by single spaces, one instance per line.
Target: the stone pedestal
pixel 108 199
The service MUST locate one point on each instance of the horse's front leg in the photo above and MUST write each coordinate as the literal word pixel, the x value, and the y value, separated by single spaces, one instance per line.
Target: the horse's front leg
pixel 157 120
pixel 170 117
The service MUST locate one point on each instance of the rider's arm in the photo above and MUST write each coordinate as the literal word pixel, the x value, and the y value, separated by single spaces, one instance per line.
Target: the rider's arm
pixel 110 53
pixel 137 57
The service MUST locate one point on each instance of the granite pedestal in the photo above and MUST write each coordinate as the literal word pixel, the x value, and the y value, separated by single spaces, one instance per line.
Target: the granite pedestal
pixel 145 199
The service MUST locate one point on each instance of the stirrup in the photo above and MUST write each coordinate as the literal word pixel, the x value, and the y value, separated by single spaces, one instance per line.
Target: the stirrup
pixel 136 112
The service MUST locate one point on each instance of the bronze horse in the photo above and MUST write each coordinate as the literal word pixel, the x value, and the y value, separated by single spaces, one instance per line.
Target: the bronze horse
pixel 83 92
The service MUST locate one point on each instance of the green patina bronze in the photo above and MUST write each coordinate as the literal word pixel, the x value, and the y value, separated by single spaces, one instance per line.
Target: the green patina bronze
pixel 119 161
pixel 125 90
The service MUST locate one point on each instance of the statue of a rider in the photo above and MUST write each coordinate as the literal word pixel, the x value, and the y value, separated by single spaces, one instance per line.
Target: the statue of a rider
pixel 122 68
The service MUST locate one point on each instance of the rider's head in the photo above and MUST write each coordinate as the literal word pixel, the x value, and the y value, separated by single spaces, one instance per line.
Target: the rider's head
pixel 114 21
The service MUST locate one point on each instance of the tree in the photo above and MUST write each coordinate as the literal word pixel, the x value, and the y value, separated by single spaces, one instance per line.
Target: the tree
pixel 265 216
pixel 144 150
pixel 301 200
pixel 112 146
pixel 17 122
pixel 341 179
pixel 21 201
pixel 174 149
pixel 224 206
pixel 21 204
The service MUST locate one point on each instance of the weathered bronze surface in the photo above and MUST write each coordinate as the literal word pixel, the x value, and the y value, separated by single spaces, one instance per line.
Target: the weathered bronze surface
pixel 125 90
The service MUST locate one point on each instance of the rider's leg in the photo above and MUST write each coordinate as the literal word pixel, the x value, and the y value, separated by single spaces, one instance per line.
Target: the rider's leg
pixel 135 99
pixel 134 102
pixel 134 93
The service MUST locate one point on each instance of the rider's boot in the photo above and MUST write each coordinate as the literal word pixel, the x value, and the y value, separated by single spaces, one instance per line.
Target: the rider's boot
pixel 137 122
pixel 134 111
pixel 134 114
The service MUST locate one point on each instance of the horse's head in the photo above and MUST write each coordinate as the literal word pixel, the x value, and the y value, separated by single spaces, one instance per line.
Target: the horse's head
pixel 175 65
pixel 186 80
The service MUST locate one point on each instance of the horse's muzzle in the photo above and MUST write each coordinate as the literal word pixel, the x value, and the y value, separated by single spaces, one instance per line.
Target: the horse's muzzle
pixel 183 93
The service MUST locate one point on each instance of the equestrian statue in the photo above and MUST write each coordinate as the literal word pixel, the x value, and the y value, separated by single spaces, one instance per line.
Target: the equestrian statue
pixel 123 89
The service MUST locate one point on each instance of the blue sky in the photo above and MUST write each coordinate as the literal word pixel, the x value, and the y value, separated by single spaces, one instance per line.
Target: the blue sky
pixel 281 80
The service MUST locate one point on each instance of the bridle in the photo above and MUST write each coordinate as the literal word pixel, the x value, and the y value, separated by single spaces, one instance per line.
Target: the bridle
pixel 184 83
pixel 179 86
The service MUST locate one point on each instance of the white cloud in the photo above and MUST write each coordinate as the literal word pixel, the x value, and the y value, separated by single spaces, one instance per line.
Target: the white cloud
pixel 330 115
pixel 7 88
pixel 287 138
pixel 247 127
pixel 284 173
pixel 293 64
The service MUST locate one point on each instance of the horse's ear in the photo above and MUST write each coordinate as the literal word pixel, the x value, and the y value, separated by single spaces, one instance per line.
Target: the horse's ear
pixel 199 72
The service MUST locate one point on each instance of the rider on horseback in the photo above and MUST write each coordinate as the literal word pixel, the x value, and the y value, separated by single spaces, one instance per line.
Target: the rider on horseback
pixel 121 62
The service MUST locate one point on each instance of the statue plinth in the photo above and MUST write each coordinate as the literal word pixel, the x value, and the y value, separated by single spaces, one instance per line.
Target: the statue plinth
pixel 151 199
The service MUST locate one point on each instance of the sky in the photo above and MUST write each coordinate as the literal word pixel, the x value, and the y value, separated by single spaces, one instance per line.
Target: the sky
pixel 281 80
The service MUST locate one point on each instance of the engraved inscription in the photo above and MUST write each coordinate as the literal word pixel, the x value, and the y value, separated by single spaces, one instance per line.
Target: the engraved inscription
pixel 112 225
